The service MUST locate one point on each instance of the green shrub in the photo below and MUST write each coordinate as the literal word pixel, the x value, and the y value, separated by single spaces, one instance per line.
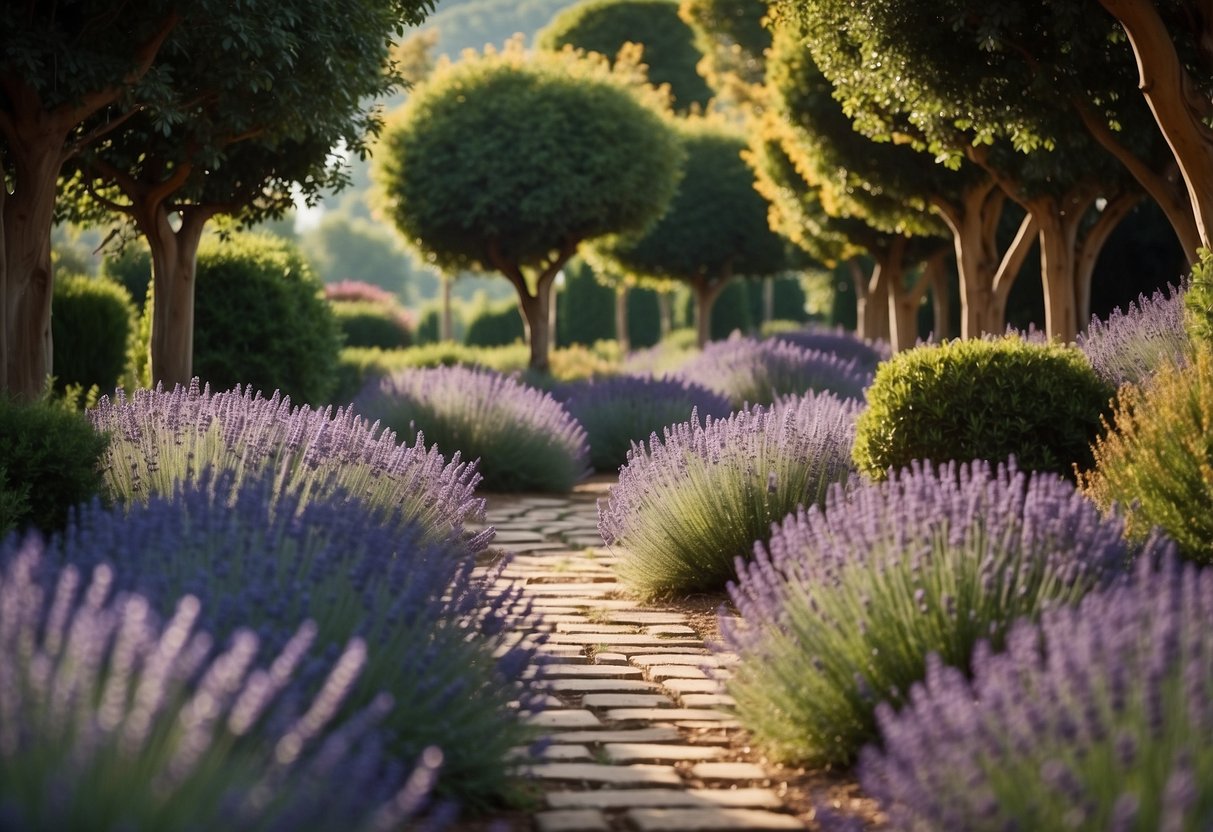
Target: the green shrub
pixel 130 268
pixel 366 324
pixel 982 399
pixel 496 325
pixel 260 320
pixel 644 318
pixel 1154 466
pixel 1198 301
pixel 50 458
pixel 93 324
pixel 585 308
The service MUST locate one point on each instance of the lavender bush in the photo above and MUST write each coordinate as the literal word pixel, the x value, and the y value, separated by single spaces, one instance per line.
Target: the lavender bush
pixel 1098 719
pixel 749 371
pixel 618 411
pixel 1131 346
pixel 110 719
pixel 159 440
pixel 689 504
pixel 841 609
pixel 524 440
pixel 840 342
pixel 267 562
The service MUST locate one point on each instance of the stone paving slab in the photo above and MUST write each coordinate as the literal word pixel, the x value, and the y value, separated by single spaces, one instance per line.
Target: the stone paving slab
pixel 579 684
pixel 563 719
pixel 684 686
pixel 637 775
pixel 710 820
pixel 664 714
pixel 660 673
pixel 641 798
pixel 676 658
pixel 571 820
pixel 551 671
pixel 632 752
pixel 660 733
pixel 728 771
pixel 626 700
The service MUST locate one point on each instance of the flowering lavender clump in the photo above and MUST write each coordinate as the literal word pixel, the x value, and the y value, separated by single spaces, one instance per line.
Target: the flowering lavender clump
pixel 690 504
pixel 749 371
pixel 1131 346
pixel 111 719
pixel 839 341
pixel 524 440
pixel 1100 718
pixel 159 440
pixel 621 410
pixel 267 562
pixel 840 611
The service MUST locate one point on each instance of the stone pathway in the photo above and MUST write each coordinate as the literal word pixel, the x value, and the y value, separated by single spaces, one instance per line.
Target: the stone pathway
pixel 638 740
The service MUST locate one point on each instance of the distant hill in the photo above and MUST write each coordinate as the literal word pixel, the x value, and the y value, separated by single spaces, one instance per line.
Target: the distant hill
pixel 464 24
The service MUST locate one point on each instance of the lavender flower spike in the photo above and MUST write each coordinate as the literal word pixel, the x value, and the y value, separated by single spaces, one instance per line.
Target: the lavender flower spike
pixel 1130 346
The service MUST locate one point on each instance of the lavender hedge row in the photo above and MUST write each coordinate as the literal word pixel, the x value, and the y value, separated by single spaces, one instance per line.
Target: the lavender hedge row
pixel 112 718
pixel 621 410
pixel 522 438
pixel 841 342
pixel 688 504
pixel 269 561
pixel 1097 719
pixel 1131 346
pixel 842 607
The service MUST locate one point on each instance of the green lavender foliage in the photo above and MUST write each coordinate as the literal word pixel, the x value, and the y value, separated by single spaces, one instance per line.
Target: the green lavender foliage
pixel 983 399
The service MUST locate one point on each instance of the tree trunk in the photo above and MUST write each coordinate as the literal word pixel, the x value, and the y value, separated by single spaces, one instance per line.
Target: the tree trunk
pixel 903 301
pixel 768 299
pixel 1058 249
pixel 871 303
pixel 973 223
pixel 665 312
pixel 174 268
pixel 1008 271
pixel 621 320
pixel 444 322
pixel 705 297
pixel 1179 109
pixel 26 280
pixel 535 319
pixel 936 275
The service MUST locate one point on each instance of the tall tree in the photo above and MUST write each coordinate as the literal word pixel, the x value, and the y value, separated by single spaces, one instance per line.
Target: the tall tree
pixel 486 168
pixel 715 229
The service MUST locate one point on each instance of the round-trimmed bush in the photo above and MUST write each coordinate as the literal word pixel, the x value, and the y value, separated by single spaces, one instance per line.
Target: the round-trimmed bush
pixel 367 324
pixel 1131 346
pixel 988 399
pixel 1154 465
pixel 92 325
pixel 749 371
pixel 841 609
pixel 688 506
pixel 495 326
pixel 524 440
pixel 619 411
pixel 50 461
pixel 260 319
pixel 1097 719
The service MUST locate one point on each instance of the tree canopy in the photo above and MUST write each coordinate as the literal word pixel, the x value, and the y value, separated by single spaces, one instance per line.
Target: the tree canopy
pixel 508 161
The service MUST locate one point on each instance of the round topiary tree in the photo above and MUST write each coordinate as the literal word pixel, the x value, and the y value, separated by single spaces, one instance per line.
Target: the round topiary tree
pixel 92 324
pixel 485 169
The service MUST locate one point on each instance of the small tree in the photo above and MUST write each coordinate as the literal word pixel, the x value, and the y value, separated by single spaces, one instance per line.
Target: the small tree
pixel 508 161
pixel 716 227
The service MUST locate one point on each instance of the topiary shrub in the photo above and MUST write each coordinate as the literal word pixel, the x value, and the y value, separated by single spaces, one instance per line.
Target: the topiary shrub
pixel 748 371
pixel 983 399
pixel 51 461
pixel 260 319
pixel 620 411
pixel 1153 467
pixel 1097 719
pixel 524 440
pixel 92 326
pixel 840 610
pixel 115 718
pixel 367 324
pixel 1131 346
pixel 689 505
pixel 259 558
pixel 495 325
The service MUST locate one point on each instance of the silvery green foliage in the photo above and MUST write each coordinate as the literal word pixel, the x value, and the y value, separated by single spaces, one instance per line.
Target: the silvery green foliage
pixel 618 411
pixel 749 371
pixel 161 439
pixel 1130 346
pixel 522 439
pixel 266 562
pixel 839 611
pixel 114 718
pixel 692 502
pixel 1100 718
pixel 838 341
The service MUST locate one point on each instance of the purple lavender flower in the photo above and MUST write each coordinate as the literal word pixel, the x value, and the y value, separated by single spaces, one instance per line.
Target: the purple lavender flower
pixel 110 718
pixel 1130 346
pixel 159 440
pixel 839 341
pixel 524 440
pixel 1098 718
pixel 840 610
pixel 749 371
pixel 692 502
pixel 268 562
pixel 618 411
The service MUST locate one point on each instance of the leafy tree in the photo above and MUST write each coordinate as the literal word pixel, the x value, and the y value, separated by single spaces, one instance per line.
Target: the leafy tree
pixel 716 227
pixel 256 127
pixel 484 168
pixel 604 26
pixel 732 36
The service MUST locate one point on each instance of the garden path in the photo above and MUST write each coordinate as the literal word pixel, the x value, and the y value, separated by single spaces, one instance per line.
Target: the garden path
pixel 639 741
